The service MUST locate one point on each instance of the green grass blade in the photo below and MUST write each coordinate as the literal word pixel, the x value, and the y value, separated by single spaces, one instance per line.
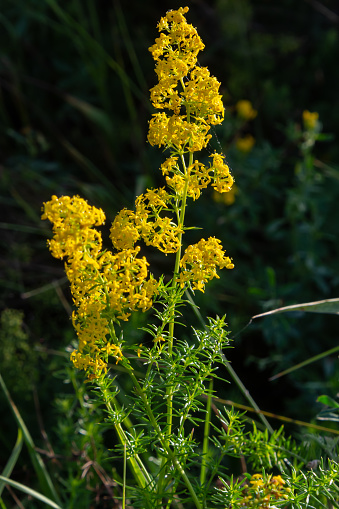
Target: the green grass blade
pixel 13 459
pixel 90 44
pixel 44 479
pixel 276 416
pixel 99 117
pixel 125 35
pixel 23 228
pixel 30 492
pixel 305 363
pixel 330 306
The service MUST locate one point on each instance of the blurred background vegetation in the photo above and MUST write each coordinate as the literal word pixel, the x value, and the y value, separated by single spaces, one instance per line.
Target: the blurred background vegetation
pixel 74 112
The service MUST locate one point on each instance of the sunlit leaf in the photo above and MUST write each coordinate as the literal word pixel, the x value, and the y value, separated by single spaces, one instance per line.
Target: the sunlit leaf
pixel 330 306
pixel 327 400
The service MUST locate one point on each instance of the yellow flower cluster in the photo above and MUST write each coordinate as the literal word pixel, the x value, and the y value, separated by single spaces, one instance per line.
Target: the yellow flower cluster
pixel 310 119
pixel 198 176
pixel 72 219
pixel 245 144
pixel 245 110
pixel 147 223
pixel 106 287
pixel 176 52
pixel 264 493
pixel 193 109
pixel 200 262
pixel 178 133
pixel 192 96
pixel 223 180
pixel 228 198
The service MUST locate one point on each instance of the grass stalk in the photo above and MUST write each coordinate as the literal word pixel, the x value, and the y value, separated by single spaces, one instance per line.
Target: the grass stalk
pixel 12 459
pixel 45 481
pixel 206 434
pixel 32 493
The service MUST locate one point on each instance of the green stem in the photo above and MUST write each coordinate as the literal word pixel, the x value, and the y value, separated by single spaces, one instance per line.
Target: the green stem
pixel 169 394
pixel 124 479
pixel 164 442
pixel 139 471
pixel 206 434
pixel 178 254
pixel 169 389
pixel 231 371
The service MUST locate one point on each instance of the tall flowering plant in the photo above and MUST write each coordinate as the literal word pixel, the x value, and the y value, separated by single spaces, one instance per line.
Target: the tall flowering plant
pixel 157 423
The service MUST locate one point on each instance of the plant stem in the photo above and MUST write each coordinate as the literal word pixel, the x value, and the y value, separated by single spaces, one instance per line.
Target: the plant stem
pixel 164 442
pixel 124 479
pixel 139 471
pixel 206 434
pixel 169 394
pixel 231 371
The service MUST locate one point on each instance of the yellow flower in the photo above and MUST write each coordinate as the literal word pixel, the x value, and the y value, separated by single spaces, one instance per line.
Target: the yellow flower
pixel 202 96
pixel 105 287
pixel 257 481
pixel 262 491
pixel 226 198
pixel 245 144
pixel 310 120
pixel 177 183
pixel 164 95
pixel 160 232
pixel 277 479
pixel 158 339
pixel 114 350
pixel 177 132
pixel 123 233
pixel 200 261
pixel 157 198
pixel 245 110
pixel 72 219
pixel 96 365
pixel 222 179
pixel 181 44
pixel 198 178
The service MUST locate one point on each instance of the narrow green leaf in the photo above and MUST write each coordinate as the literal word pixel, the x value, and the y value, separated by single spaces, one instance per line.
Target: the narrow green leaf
pixel 328 416
pixel 327 400
pixel 275 416
pixel 305 363
pixel 24 228
pixel 44 479
pixel 96 115
pixel 12 460
pixel 330 306
pixel 30 492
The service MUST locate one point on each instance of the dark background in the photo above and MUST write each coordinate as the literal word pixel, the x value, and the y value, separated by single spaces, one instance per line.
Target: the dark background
pixel 74 112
